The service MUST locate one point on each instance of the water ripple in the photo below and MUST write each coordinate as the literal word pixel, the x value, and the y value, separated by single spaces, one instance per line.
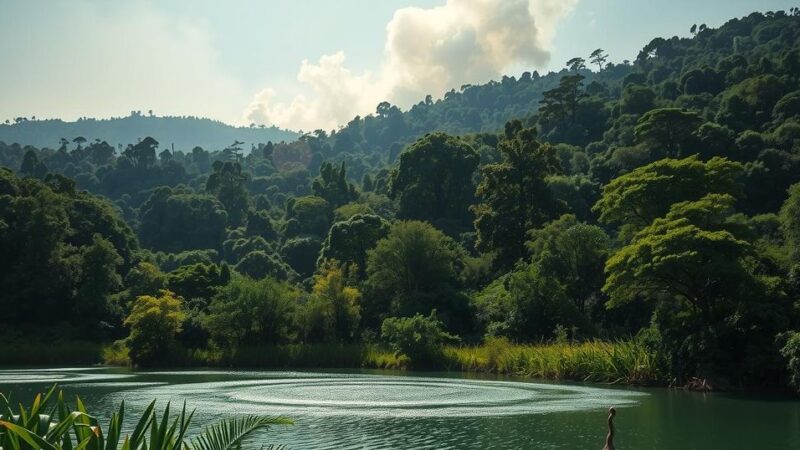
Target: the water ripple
pixel 386 396
pixel 60 376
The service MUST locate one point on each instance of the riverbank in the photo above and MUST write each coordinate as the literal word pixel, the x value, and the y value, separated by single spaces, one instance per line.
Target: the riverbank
pixel 620 362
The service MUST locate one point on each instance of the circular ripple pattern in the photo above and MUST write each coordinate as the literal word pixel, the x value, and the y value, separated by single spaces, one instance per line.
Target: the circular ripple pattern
pixel 60 376
pixel 385 396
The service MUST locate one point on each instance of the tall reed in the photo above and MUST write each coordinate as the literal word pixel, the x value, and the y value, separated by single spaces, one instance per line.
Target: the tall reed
pixel 623 361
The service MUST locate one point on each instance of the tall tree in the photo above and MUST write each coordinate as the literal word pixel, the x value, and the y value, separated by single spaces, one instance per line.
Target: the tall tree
pixel 334 310
pixel 668 131
pixel 143 153
pixel 574 254
pixel 414 270
pixel 637 198
pixel 599 57
pixel 717 313
pixel 227 183
pixel 513 194
pixel 576 64
pixel 790 221
pixel 561 102
pixel 349 241
pixel 332 185
pixel 99 279
pixel 175 220
pixel 434 181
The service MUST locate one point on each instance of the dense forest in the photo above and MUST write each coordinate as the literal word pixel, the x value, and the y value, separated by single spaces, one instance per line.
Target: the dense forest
pixel 180 133
pixel 655 200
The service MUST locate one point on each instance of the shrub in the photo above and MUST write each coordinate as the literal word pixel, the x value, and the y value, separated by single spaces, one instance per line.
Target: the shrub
pixel 334 310
pixel 252 312
pixel 791 352
pixel 154 322
pixel 420 338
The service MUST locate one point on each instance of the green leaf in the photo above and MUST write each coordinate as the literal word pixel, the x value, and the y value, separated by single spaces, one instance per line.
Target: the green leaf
pixel 228 434
pixel 31 438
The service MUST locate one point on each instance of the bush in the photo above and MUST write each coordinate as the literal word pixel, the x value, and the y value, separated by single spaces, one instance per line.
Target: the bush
pixel 420 338
pixel 791 352
pixel 117 354
pixel 154 322
pixel 334 310
pixel 251 312
pixel 526 306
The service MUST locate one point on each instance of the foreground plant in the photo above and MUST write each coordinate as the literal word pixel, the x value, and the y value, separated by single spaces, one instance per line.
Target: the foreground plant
pixel 48 424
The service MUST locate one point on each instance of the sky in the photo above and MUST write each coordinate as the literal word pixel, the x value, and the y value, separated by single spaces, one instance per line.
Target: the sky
pixel 306 64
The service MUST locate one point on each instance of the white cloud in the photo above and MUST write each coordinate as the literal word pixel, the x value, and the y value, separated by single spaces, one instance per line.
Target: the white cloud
pixel 427 51
pixel 337 93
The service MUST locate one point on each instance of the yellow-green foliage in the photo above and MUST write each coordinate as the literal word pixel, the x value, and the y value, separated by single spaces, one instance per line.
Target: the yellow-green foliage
pixel 626 362
pixel 116 354
pixel 154 322
pixel 334 309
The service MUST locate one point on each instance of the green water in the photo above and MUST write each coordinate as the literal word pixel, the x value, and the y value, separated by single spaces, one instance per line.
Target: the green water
pixel 388 410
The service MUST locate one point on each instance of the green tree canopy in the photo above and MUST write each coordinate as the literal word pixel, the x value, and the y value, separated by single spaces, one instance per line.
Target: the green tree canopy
pixel 434 181
pixel 413 270
pixel 699 267
pixel 227 182
pixel 790 221
pixel 573 253
pixel 332 185
pixel 154 322
pixel 251 312
pixel 639 197
pixel 308 215
pixel 196 281
pixel 513 194
pixel 334 310
pixel 63 252
pixel 527 305
pixel 668 132
pixel 349 241
pixel 174 220
pixel 99 279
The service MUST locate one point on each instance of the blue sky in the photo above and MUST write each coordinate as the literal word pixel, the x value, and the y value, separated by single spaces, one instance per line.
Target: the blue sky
pixel 242 60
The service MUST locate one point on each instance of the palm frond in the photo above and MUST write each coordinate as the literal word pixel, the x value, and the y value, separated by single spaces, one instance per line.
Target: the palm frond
pixel 228 434
pixel 63 429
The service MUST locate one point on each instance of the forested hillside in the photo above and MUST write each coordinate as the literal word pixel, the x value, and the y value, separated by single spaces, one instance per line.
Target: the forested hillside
pixel 184 133
pixel 656 201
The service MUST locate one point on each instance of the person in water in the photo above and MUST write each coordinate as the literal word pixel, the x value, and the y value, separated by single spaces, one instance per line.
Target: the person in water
pixel 610 437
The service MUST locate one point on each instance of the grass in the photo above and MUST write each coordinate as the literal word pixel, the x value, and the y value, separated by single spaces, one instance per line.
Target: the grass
pixel 623 362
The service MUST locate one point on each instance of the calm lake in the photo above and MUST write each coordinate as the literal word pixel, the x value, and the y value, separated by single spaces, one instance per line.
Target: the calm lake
pixel 390 410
